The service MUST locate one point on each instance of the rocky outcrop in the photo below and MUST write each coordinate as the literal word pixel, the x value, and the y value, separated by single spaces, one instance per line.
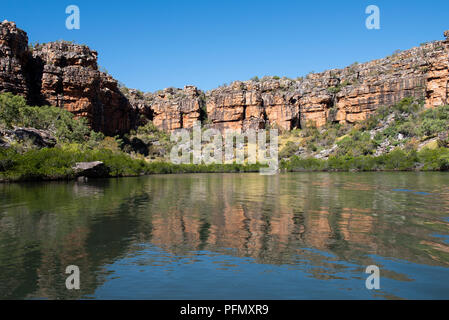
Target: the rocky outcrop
pixel 171 108
pixel 339 95
pixel 252 105
pixel 344 95
pixel 437 73
pixel 418 72
pixel 175 108
pixel 13 59
pixel 39 138
pixel 65 75
pixel 69 78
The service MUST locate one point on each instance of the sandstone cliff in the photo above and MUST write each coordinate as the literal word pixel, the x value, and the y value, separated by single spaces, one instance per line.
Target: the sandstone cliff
pixel 345 95
pixel 66 75
pixel 13 59
pixel 341 95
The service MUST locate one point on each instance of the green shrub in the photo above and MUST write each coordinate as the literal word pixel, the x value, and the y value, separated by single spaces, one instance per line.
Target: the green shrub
pixel 356 144
pixel 334 90
pixel 430 127
pixel 434 159
pixel 289 150
pixel 399 160
pixel 10 106
pixel 407 105
pixel 61 122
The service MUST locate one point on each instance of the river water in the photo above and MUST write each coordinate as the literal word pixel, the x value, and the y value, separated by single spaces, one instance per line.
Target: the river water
pixel 228 236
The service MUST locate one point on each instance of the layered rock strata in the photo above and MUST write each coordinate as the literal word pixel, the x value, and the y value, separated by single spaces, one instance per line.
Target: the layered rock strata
pixel 66 75
pixel 344 95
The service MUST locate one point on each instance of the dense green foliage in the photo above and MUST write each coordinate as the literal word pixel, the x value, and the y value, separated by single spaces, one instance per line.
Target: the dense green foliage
pixel 397 160
pixel 405 124
pixel 400 129
pixel 10 106
pixel 57 163
pixel 61 123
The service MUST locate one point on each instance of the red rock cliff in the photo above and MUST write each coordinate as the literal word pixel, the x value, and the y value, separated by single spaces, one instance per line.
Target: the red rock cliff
pixel 66 75
pixel 340 95
pixel 13 59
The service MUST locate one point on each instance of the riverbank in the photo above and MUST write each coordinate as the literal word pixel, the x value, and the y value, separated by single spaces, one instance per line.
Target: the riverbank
pixel 57 164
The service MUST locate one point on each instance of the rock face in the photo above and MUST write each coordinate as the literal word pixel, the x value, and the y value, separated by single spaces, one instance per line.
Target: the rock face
pixel 64 75
pixel 13 59
pixel 341 95
pixel 68 77
pixel 175 108
pixel 345 95
pixel 171 108
pixel 252 105
pixel 39 138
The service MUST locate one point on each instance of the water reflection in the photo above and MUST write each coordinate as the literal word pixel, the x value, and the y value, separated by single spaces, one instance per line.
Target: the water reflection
pixel 300 229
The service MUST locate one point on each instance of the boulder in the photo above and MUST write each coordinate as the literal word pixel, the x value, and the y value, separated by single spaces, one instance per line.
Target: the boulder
pixel 95 169
pixel 39 138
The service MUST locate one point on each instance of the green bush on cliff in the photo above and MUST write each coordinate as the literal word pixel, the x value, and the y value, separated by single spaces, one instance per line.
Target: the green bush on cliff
pixel 397 160
pixel 357 144
pixel 15 112
pixel 431 127
pixel 288 150
pixel 318 139
pixel 434 121
pixel 10 106
pixel 59 121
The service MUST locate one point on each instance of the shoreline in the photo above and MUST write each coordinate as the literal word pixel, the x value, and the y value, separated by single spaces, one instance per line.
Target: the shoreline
pixel 199 171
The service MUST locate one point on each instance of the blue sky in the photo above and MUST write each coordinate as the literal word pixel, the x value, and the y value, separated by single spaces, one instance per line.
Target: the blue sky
pixel 152 45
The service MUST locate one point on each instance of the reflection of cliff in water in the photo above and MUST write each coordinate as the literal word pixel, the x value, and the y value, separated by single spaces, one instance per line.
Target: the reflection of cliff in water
pixel 275 220
pixel 46 227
